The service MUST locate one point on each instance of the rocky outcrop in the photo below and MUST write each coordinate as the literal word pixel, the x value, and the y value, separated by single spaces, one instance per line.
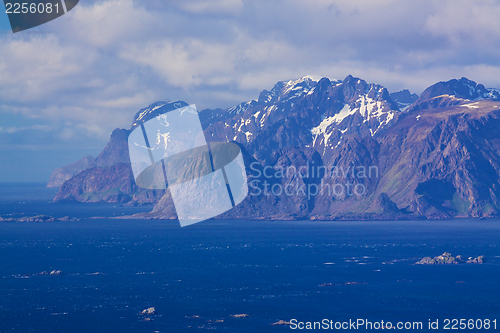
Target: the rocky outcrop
pixel 281 323
pixel 478 260
pixel 447 259
pixel 240 315
pixel 60 175
pixel 53 272
pixel 99 184
pixel 108 178
pixel 341 284
pixel 148 311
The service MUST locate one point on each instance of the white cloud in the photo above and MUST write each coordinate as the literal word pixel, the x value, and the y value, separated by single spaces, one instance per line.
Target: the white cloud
pixel 95 67
pixel 12 129
pixel 35 68
pixel 212 7
pixel 109 23
pixel 472 22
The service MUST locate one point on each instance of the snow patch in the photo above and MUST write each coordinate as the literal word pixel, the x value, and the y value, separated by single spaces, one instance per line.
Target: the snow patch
pixel 472 105
pixel 240 108
pixel 344 113
pixel 269 109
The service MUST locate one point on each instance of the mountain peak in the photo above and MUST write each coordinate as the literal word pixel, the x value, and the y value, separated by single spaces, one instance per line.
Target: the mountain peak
pixel 150 111
pixel 309 78
pixel 403 98
pixel 462 88
pixel 287 90
pixel 453 92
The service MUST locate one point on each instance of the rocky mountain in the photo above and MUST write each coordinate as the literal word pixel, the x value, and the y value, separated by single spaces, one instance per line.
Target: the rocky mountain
pixel 330 149
pixel 60 175
pixel 108 178
pixel 404 98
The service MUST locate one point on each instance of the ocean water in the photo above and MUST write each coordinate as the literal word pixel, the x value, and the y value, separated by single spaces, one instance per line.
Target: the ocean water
pixel 197 277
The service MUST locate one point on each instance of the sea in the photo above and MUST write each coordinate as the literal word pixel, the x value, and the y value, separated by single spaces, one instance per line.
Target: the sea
pixel 237 275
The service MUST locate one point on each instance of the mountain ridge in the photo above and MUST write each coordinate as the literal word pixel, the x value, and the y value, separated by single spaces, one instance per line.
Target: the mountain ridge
pixel 429 152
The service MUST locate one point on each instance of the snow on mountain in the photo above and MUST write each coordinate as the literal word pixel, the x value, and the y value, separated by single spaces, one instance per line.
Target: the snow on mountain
pixel 285 91
pixel 251 116
pixel 241 107
pixel 369 110
pixel 318 112
pixel 492 94
pixel 366 110
pixel 403 98
pixel 429 163
pixel 145 112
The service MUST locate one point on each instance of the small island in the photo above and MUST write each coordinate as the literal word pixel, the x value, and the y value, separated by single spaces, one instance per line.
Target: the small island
pixel 37 218
pixel 148 311
pixel 240 315
pixel 447 259
pixel 281 323
pixel 329 284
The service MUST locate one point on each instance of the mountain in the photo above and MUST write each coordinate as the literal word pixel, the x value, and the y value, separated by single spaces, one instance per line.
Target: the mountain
pixel 404 98
pixel 337 149
pixel 108 178
pixel 454 92
pixel 60 175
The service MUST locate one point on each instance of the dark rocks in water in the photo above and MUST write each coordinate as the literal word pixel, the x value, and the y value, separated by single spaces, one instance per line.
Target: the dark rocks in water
pixel 478 260
pixel 447 259
pixel 52 273
pixel 148 311
pixel 281 323
pixel 37 218
pixel 341 284
pixel 240 315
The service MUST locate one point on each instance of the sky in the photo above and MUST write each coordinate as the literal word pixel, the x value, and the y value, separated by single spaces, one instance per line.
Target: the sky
pixel 65 85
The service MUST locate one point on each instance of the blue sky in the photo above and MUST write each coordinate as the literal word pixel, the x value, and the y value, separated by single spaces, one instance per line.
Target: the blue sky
pixel 64 86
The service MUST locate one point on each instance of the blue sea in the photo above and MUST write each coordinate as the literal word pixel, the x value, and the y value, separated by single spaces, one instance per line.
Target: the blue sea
pixel 199 277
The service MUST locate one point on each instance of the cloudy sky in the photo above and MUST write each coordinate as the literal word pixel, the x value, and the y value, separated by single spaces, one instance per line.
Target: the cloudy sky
pixel 66 85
